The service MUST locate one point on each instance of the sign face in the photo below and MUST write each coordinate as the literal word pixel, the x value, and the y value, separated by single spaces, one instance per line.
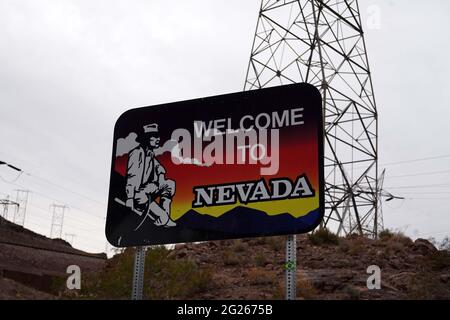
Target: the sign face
pixel 248 164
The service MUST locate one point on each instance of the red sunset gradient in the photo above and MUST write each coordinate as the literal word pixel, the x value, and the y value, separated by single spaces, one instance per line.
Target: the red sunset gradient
pixel 298 155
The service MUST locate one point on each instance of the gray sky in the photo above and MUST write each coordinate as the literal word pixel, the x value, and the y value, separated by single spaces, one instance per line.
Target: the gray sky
pixel 70 68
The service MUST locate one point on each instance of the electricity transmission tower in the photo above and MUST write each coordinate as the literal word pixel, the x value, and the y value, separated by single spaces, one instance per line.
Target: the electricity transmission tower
pixel 70 238
pixel 21 209
pixel 57 220
pixel 322 43
pixel 6 203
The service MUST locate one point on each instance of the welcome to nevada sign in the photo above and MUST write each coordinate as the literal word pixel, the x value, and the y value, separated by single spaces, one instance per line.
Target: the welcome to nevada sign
pixel 240 165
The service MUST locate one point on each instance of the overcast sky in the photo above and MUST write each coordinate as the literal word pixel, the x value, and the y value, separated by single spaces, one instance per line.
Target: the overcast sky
pixel 68 69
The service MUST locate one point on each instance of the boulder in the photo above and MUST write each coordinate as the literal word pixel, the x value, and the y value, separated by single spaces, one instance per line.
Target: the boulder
pixel 180 246
pixel 423 247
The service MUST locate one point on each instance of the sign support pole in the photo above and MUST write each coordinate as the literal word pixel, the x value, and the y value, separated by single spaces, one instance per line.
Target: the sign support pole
pixel 291 267
pixel 138 274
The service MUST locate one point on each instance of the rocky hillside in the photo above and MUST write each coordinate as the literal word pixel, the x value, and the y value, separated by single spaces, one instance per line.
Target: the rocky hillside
pixel 32 264
pixel 328 268
pixel 33 267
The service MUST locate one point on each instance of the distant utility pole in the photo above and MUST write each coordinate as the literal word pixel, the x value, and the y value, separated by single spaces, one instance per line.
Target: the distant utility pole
pixel 6 203
pixel 70 237
pixel 57 220
pixel 21 210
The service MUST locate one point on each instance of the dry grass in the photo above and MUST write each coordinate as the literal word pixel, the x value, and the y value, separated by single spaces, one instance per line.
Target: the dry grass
pixel 426 286
pixel 323 237
pixel 276 243
pixel 394 236
pixel 306 290
pixel 352 292
pixel 260 241
pixel 439 260
pixel 261 259
pixel 230 258
pixel 357 247
pixel 165 277
pixel 239 246
pixel 258 276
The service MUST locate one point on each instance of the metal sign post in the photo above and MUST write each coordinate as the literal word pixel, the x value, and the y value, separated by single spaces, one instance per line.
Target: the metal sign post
pixel 291 267
pixel 138 274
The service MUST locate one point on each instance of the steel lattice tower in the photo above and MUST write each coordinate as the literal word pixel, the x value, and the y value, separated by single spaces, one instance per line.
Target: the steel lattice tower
pixel 58 212
pixel 6 203
pixel 322 43
pixel 21 209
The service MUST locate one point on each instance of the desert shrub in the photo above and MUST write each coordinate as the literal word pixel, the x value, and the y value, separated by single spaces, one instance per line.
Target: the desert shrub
pixel 239 246
pixel 259 276
pixel 426 286
pixel 428 282
pixel 261 259
pixel 177 280
pixel 357 245
pixel 277 291
pixel 165 277
pixel 385 234
pixel 395 236
pixel 306 290
pixel 344 247
pixel 393 247
pixel 260 241
pixel 439 260
pixel 352 293
pixel 323 237
pixel 58 285
pixel 114 282
pixel 276 243
pixel 230 258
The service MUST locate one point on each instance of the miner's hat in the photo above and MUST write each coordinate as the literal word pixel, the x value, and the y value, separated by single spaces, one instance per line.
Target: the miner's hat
pixel 151 128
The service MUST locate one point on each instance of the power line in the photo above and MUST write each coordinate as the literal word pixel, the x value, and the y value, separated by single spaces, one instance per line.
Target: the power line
pixel 9 155
pixel 416 160
pixel 412 160
pixel 82 239
pixel 69 217
pixel 419 174
pixel 427 198
pixel 10 166
pixel 48 182
pixel 425 193
pixel 420 186
pixel 434 233
pixel 32 221
pixel 13 168
pixel 13 180
pixel 66 189
pixel 97 240
pixel 59 201
pixel 71 206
